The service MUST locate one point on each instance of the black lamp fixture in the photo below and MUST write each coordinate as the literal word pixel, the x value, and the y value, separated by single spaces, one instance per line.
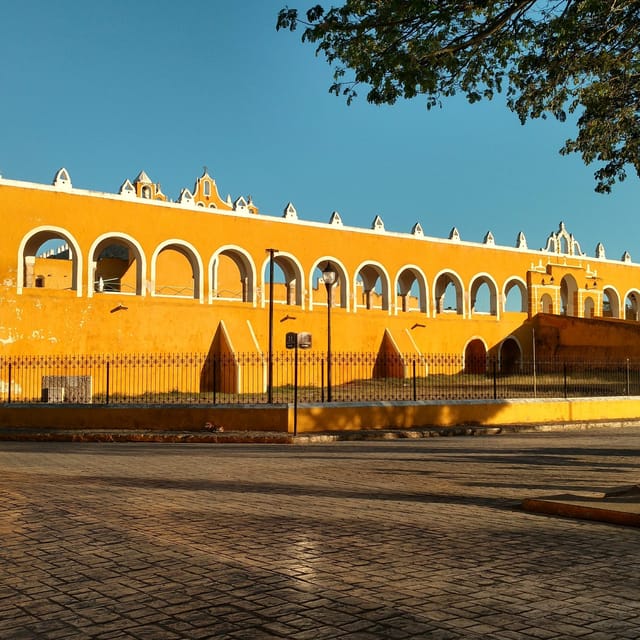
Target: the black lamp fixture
pixel 329 277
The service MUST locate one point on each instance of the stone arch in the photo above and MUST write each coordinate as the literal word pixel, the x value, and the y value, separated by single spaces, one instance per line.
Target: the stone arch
pixel 475 356
pixel 610 303
pixel 28 248
pixel 232 275
pixel 632 305
pixel 186 250
pixel 589 307
pixel 444 281
pixel 546 303
pixel 117 264
pixel 409 282
pixel 370 274
pixel 568 296
pixel 340 290
pixel 513 288
pixel 292 293
pixel 479 282
pixel 510 356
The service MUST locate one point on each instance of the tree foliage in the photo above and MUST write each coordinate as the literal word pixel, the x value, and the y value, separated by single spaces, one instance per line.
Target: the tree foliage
pixel 550 57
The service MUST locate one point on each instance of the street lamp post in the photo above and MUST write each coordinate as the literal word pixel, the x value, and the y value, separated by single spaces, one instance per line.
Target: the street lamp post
pixel 271 253
pixel 329 278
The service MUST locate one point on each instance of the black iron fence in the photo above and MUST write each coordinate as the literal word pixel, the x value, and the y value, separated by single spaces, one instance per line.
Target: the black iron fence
pixel 196 378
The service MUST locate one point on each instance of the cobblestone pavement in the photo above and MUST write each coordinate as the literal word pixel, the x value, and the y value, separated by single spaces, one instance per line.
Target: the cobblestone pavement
pixel 358 540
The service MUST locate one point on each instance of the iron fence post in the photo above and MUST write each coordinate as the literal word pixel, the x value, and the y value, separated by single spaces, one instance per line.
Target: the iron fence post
pixel 107 382
pixel 214 381
pixel 415 392
pixel 564 373
pixel 9 389
pixel 495 381
pixel 295 389
pixel 628 379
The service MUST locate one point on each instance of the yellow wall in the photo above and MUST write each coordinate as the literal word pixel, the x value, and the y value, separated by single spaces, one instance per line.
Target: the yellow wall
pixel 497 413
pixel 212 260
pixel 340 417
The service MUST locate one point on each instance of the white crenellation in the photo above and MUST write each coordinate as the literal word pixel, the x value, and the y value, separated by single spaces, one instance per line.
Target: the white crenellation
pixel 62 180
pixel 290 212
pixel 240 205
pixel 377 224
pixel 185 197
pixel 335 219
pixel 127 190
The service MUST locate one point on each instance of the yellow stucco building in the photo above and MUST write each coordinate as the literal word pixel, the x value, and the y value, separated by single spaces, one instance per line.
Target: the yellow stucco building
pixel 133 272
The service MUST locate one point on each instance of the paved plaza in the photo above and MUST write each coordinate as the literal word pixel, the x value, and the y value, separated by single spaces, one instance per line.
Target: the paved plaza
pixel 359 540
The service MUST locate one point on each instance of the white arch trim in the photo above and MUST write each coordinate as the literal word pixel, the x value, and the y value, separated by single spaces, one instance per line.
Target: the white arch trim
pixel 631 291
pixel 387 281
pixel 619 302
pixel 425 283
pixel 507 282
pixel 454 276
pixel 71 241
pixel 623 310
pixel 213 277
pixel 471 339
pixel 116 235
pixel 345 294
pixel 298 266
pixel 191 253
pixel 496 291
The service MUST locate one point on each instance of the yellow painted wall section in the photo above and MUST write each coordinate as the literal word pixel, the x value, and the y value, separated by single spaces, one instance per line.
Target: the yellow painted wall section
pixel 524 412
pixel 216 265
pixel 337 417
pixel 263 418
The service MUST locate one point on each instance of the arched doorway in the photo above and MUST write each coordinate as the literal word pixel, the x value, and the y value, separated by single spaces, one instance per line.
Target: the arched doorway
pixel 510 356
pixel 475 357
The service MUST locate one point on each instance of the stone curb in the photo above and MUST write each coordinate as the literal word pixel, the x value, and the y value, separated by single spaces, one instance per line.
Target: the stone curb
pixel 569 509
pixel 276 437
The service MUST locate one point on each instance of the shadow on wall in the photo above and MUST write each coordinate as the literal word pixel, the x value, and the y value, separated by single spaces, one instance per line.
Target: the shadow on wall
pixel 399 415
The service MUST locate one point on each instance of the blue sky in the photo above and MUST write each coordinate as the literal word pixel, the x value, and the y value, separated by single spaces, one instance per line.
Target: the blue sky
pixel 106 89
